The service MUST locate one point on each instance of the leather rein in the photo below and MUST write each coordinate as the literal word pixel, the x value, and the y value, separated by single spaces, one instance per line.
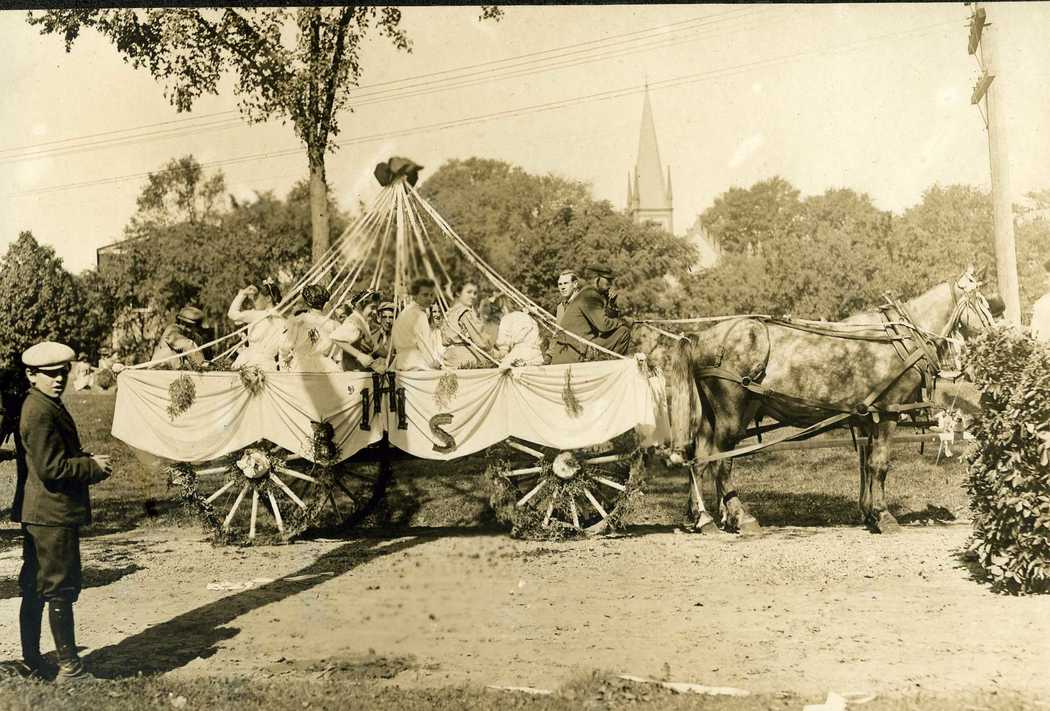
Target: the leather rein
pixel 898 332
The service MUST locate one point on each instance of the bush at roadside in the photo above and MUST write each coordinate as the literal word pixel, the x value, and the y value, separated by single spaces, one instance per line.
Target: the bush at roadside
pixel 1009 475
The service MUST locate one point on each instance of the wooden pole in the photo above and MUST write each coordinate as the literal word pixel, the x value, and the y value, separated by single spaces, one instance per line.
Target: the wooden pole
pixel 998 156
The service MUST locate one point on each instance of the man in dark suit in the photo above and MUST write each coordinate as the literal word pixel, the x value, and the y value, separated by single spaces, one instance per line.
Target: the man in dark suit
pixel 587 315
pixel 52 503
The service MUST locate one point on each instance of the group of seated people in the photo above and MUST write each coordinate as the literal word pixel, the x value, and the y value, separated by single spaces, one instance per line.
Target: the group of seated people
pixel 363 333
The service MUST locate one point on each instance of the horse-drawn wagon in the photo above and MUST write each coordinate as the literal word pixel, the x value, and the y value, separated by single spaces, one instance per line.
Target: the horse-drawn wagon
pixel 279 452
pixel 564 443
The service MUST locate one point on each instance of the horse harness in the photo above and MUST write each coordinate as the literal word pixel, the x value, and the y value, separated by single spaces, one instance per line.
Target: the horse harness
pixel 915 347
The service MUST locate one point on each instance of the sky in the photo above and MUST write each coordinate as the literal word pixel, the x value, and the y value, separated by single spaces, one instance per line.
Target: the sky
pixel 870 97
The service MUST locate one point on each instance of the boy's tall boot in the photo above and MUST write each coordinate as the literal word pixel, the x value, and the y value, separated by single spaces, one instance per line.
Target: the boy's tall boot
pixel 30 619
pixel 70 666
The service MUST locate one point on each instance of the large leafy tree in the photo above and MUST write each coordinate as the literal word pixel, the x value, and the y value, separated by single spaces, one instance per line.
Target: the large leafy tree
pixel 936 239
pixel 740 219
pixel 42 301
pixel 530 227
pixel 188 244
pixel 289 64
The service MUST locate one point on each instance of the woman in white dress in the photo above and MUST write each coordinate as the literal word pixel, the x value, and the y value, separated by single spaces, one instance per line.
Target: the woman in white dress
pixel 518 338
pixel 354 336
pixel 265 325
pixel 307 345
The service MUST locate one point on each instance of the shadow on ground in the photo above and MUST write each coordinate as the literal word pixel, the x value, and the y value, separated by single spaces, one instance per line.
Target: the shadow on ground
pixel 94 577
pixel 196 634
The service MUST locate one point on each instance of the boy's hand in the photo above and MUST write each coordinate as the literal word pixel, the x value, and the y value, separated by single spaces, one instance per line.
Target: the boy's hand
pixel 103 461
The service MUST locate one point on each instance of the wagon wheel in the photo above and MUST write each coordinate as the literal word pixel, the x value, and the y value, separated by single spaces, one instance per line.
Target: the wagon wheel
pixel 549 493
pixel 263 493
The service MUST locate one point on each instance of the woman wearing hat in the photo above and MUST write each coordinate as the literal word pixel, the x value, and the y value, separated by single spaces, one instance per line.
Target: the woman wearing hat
pixel 307 344
pixel 180 337
pixel 265 325
pixel 354 336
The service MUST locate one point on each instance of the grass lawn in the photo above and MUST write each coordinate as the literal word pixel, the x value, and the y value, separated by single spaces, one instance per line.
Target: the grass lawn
pixel 789 488
pixel 597 691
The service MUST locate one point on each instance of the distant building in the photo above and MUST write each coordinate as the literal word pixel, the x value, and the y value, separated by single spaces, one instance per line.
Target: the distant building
pixel 708 247
pixel 649 195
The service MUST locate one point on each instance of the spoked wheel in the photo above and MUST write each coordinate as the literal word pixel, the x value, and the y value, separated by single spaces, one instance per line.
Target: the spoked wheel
pixel 549 493
pixel 264 493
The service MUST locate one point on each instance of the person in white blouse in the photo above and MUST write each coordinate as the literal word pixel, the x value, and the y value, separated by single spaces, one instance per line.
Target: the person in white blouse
pixel 518 339
pixel 354 336
pixel 411 336
pixel 265 325
pixel 307 346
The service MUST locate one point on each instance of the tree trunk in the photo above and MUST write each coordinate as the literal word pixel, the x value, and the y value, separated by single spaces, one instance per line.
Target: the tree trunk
pixel 318 209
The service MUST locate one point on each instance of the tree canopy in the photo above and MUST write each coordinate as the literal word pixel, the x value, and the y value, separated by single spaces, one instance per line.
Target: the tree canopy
pixel 174 256
pixel 531 227
pixel 289 64
pixel 42 301
pixel 739 218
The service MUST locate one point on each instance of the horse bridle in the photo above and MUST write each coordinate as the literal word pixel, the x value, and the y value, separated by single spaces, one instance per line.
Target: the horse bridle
pixel 972 299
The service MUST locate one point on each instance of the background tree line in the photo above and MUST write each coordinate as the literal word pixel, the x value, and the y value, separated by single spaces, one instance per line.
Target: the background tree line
pixel 822 256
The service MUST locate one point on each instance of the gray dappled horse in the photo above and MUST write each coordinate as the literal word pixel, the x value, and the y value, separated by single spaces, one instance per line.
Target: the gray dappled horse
pixel 864 371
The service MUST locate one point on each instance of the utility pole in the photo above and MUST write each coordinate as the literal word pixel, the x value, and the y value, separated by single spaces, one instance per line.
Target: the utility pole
pixel 983 43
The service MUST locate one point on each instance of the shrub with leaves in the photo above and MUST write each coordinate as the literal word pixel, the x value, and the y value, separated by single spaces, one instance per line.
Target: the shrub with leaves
pixel 1009 475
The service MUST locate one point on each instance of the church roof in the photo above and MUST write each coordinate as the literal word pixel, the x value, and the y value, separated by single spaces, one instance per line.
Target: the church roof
pixel 650 191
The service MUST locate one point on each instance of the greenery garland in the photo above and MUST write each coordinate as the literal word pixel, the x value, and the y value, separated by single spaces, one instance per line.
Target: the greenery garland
pixel 527 521
pixel 252 378
pixel 447 387
pixel 182 393
pixel 568 396
pixel 184 478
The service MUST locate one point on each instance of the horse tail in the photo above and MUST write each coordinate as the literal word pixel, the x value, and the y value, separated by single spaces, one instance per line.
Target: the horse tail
pixel 683 399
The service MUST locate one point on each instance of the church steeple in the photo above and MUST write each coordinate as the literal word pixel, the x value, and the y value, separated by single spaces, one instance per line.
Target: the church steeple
pixel 649 199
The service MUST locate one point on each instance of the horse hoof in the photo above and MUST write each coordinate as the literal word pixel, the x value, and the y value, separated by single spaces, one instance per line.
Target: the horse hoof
pixel 748 524
pixel 705 524
pixel 708 529
pixel 886 523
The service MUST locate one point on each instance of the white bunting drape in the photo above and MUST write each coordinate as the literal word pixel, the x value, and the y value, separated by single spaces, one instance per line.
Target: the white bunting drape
pixel 488 406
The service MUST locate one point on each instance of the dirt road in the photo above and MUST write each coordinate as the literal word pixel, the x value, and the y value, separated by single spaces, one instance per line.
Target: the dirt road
pixel 800 609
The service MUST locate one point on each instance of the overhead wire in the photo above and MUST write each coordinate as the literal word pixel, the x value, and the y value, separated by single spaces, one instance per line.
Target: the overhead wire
pixel 673 82
pixel 370 94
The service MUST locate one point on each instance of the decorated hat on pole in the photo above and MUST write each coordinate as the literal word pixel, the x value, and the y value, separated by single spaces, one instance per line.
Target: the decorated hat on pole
pixel 386 173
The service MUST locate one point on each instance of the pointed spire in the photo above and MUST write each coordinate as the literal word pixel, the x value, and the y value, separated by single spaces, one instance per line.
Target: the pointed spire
pixel 650 189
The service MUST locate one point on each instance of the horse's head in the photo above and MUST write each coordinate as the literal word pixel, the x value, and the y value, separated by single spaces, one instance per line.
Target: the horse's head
pixel 972 312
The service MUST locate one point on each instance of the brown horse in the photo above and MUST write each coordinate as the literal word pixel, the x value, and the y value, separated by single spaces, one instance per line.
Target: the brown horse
pixel 864 371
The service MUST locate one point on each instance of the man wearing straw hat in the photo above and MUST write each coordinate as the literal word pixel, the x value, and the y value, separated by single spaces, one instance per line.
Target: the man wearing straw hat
pixel 181 337
pixel 52 503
